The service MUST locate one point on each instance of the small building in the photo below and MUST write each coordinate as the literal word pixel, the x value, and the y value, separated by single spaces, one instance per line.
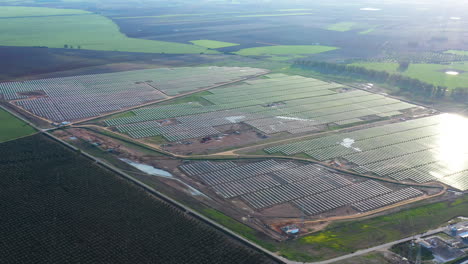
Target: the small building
pixel 290 229
pixel 464 236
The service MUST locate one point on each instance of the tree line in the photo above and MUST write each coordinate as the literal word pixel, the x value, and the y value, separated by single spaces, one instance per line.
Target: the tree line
pixel 406 84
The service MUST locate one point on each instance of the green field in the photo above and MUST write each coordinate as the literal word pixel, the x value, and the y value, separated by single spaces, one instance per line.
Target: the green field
pixel 457 52
pixel 23 11
pixel 284 57
pixel 371 258
pixel 342 27
pixel 285 50
pixel 93 32
pixel 431 73
pixel 295 9
pixel 212 44
pixel 348 237
pixel 12 128
pixel 276 15
pixel 365 32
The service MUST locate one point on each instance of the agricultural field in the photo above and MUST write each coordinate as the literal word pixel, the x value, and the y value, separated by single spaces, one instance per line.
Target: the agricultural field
pixel 12 128
pixel 285 50
pixel 361 33
pixel 367 31
pixel 82 30
pixel 212 44
pixel 453 75
pixel 420 150
pixel 457 52
pixel 342 27
pixel 308 188
pixel 73 211
pixel 435 58
pixel 277 15
pixel 262 108
pixel 79 97
pixel 22 11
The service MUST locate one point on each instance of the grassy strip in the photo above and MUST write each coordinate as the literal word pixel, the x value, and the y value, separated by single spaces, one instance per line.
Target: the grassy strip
pixel 212 44
pixel 285 50
pixel 191 98
pixel 458 261
pixel 284 249
pixel 237 227
pixel 133 144
pixel 277 15
pixel 371 258
pixel 342 27
pixel 12 128
pixel 347 237
pixel 365 32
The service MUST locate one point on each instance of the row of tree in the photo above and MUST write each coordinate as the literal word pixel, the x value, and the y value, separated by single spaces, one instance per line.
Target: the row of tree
pixel 66 46
pixel 407 84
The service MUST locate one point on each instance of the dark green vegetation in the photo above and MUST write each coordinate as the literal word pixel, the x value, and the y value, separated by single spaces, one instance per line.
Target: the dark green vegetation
pixel 406 84
pixel 410 251
pixel 11 127
pixel 346 237
pixel 57 207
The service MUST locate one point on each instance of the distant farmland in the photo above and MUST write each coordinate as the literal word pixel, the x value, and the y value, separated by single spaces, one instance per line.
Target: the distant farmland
pixel 212 44
pixel 342 27
pixel 285 50
pixel 77 30
pixel 430 73
pixel 23 11
pixel 58 207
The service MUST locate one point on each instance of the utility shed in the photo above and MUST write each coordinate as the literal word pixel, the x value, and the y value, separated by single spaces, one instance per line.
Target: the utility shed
pixel 464 235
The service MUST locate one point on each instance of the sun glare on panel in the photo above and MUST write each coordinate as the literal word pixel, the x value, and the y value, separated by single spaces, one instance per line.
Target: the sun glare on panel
pixel 452 149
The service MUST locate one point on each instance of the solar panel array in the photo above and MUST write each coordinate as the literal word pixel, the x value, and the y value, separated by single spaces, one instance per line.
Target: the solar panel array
pixel 311 188
pixel 340 197
pixel 280 103
pixel 78 97
pixel 387 199
pixel 422 150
